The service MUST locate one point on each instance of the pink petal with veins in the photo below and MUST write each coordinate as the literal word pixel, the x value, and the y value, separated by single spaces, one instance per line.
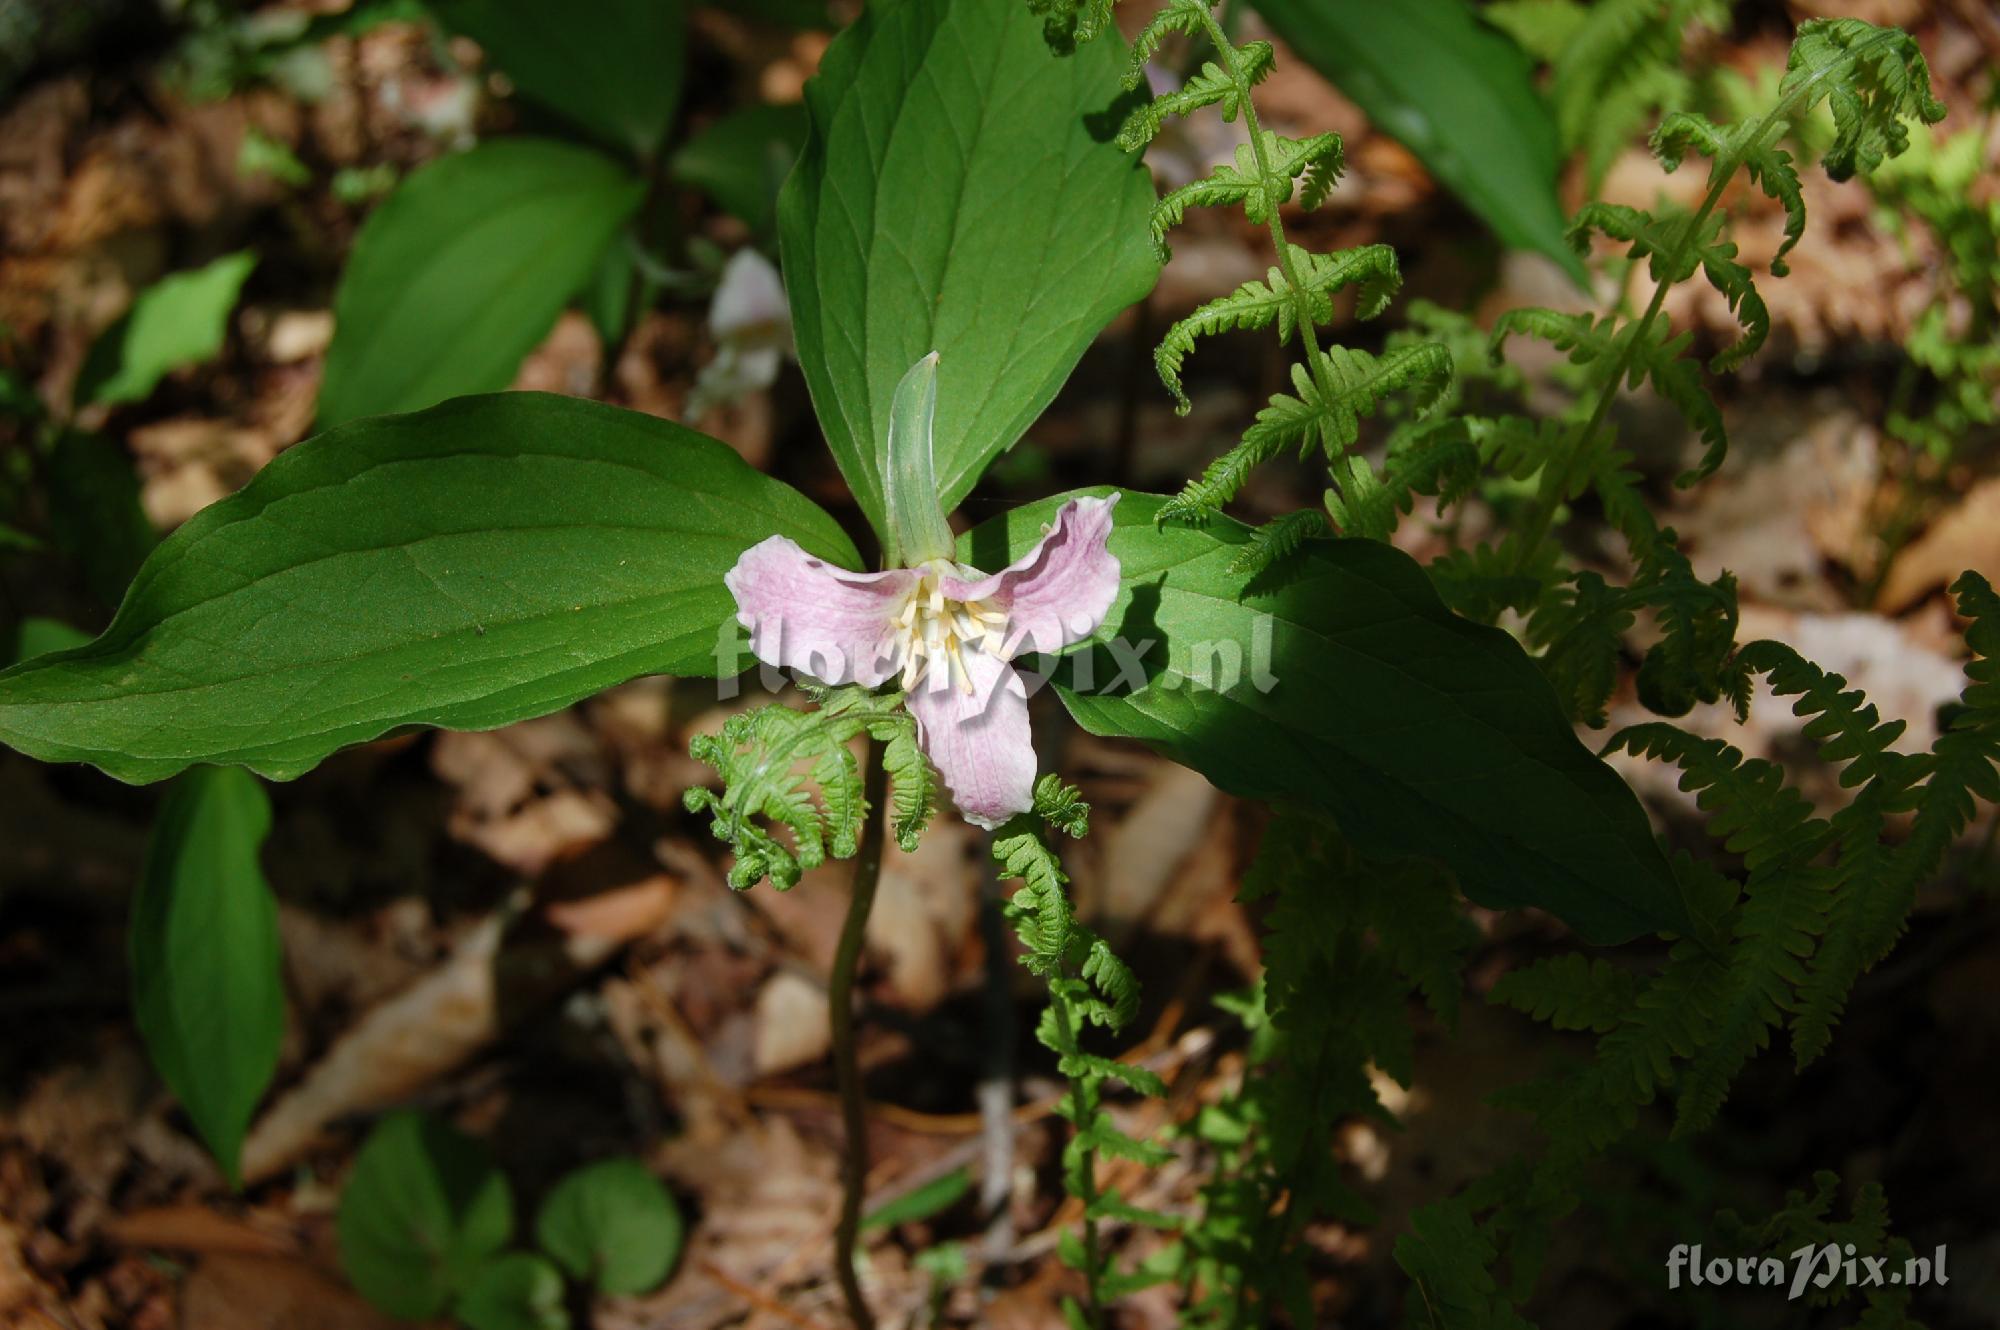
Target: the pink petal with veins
pixel 805 614
pixel 1060 591
pixel 979 740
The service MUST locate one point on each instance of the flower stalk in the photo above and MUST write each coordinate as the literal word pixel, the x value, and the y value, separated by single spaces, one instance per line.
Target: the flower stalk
pixel 846 1059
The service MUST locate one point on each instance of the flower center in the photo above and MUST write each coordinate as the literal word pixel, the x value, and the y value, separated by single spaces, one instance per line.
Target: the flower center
pixel 933 632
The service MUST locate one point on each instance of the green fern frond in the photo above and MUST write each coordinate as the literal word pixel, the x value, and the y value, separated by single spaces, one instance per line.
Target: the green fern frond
pixel 1276 541
pixel 794 769
pixel 1370 268
pixel 1068 24
pixel 1569 992
pixel 1184 17
pixel 1212 85
pixel 1873 78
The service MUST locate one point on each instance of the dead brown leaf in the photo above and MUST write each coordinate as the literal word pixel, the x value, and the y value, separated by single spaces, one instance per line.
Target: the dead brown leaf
pixel 1966 536
pixel 244 1292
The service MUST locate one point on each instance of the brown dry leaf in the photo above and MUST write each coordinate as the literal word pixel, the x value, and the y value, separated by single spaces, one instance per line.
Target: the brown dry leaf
pixel 186 464
pixel 196 1228
pixel 567 361
pixel 792 1024
pixel 1138 857
pixel 767 1200
pixel 1967 536
pixel 412 1039
pixel 1775 521
pixel 925 907
pixel 621 914
pixel 530 794
pixel 238 1292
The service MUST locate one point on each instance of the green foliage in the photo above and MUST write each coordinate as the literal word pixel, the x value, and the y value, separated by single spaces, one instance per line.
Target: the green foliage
pixel 612 1226
pixel 1820 901
pixel 616 73
pixel 495 558
pixel 957 193
pixel 1616 64
pixel 925 1202
pixel 95 516
pixel 1348 943
pixel 1333 388
pixel 1875 79
pixel 1948 388
pixel 1088 986
pixel 178 321
pixel 207 993
pixel 513 1291
pixel 463 270
pixel 741 160
pixel 798 770
pixel 1805 1220
pixel 423 1211
pixel 1346 677
pixel 1430 74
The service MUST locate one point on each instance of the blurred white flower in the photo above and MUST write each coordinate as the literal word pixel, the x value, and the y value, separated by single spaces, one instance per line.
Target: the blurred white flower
pixel 751 325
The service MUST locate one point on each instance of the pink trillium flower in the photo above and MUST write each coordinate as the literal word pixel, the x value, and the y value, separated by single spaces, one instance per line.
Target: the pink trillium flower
pixel 947 632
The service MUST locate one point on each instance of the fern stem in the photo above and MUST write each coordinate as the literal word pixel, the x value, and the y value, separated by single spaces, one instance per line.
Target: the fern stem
pixel 846 1063
pixel 1778 118
pixel 1301 299
pixel 1083 1103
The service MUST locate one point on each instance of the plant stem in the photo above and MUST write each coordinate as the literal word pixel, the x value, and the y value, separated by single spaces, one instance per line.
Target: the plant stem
pixel 846 1065
pixel 1083 1111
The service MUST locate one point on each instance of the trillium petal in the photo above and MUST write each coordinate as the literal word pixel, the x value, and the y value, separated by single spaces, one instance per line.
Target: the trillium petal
pixel 1062 589
pixel 979 739
pixel 805 614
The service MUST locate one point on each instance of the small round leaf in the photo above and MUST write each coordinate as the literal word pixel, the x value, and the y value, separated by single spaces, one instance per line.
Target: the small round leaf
pixel 613 1225
pixel 424 1210
pixel 518 1291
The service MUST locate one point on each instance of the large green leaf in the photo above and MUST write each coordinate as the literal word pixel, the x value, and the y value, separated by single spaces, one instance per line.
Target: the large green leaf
pixel 422 1215
pixel 958 193
pixel 178 321
pixel 1355 692
pixel 206 988
pixel 461 271
pixel 494 558
pixel 1454 92
pixel 613 67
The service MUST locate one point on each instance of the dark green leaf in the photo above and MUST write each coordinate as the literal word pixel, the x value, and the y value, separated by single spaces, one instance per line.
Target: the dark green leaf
pixel 741 160
pixel 423 1211
pixel 38 637
pixel 1454 92
pixel 94 512
pixel 178 321
pixel 517 1291
pixel 492 559
pixel 463 270
pixel 933 1198
pixel 613 67
pixel 959 192
pixel 1352 690
pixel 206 990
pixel 611 1224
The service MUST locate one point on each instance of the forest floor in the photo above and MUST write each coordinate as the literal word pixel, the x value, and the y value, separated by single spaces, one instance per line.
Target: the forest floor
pixel 525 932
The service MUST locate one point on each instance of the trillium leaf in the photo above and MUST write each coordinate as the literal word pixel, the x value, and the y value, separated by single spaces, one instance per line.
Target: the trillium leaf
pixel 206 988
pixel 1351 689
pixel 495 558
pixel 463 270
pixel 614 68
pixel 1458 94
pixel 958 192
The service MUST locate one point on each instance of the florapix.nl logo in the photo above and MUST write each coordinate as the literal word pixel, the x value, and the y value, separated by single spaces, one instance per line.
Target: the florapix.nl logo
pixel 1808 1268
